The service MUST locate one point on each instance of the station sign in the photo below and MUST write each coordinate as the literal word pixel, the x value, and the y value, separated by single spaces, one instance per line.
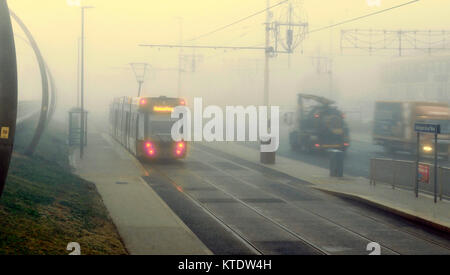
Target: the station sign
pixel 427 128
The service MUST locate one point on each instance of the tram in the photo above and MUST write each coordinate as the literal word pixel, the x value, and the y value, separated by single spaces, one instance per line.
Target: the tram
pixel 143 126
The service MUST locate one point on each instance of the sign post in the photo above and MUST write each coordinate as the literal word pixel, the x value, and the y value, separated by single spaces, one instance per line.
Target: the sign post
pixel 438 131
pixel 421 171
pixel 416 188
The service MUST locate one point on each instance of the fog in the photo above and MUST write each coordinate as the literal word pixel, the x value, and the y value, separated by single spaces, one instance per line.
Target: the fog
pixel 114 29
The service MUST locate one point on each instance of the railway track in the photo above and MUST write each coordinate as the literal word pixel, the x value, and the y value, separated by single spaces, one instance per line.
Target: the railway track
pixel 309 210
pixel 324 251
pixel 267 221
pixel 237 233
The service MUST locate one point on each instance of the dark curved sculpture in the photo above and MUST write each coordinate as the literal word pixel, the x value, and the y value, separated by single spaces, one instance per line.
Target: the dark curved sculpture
pixel 45 97
pixel 53 90
pixel 8 92
pixel 53 96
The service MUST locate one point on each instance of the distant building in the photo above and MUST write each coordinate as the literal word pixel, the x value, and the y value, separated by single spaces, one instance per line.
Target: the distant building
pixel 424 78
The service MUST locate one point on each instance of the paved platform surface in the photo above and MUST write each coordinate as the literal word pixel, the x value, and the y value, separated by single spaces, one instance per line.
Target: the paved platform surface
pixel 144 221
pixel 399 201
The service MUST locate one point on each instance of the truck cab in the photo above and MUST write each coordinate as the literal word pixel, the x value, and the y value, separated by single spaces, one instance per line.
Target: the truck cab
pixel 394 126
pixel 318 126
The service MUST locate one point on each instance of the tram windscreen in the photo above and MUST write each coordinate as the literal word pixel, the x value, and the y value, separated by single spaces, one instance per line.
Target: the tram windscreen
pixel 160 125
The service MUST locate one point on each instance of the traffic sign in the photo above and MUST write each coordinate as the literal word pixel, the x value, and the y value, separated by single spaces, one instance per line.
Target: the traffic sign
pixel 423 172
pixel 427 128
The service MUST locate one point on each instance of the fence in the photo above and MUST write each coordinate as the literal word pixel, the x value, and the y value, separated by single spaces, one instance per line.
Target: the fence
pixel 402 174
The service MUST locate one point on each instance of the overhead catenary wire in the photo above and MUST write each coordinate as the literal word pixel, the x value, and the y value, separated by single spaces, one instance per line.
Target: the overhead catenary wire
pixel 363 17
pixel 354 19
pixel 261 46
pixel 237 22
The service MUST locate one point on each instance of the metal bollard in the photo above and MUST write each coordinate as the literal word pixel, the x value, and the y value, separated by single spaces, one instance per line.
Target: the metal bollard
pixel 337 163
pixel 267 157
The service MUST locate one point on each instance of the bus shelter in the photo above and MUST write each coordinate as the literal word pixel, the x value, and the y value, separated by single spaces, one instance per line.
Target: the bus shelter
pixel 75 126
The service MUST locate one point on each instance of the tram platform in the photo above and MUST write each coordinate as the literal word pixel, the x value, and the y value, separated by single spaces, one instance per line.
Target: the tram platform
pixel 144 221
pixel 398 201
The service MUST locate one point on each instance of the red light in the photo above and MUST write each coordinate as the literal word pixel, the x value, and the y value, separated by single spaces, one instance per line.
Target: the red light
pixel 149 145
pixel 317 145
pixel 317 116
pixel 143 101
pixel 182 102
pixel 150 148
pixel 346 144
pixel 180 148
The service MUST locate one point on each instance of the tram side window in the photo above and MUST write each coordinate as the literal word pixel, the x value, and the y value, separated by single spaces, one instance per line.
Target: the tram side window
pixel 141 127
pixel 134 126
pixel 132 119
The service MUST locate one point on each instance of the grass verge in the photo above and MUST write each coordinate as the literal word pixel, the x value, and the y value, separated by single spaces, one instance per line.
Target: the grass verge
pixel 45 207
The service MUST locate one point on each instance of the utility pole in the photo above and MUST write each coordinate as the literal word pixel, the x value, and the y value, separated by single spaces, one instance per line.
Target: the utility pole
pixel 140 88
pixel 180 57
pixel 82 124
pixel 267 56
pixel 140 71
pixel 82 86
pixel 324 65
pixel 191 59
pixel 78 71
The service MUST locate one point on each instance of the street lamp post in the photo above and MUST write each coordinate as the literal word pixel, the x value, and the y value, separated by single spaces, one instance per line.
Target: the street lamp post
pixel 82 124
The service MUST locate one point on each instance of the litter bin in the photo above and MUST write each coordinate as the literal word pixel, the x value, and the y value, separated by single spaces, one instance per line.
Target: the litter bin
pixel 267 157
pixel 337 163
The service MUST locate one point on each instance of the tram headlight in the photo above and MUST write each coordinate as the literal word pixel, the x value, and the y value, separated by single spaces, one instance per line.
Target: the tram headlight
pixel 427 148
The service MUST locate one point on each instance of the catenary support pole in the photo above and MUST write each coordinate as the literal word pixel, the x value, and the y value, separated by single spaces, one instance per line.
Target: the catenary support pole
pixel 267 58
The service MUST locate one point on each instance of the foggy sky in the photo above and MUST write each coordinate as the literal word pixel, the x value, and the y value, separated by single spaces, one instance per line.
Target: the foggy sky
pixel 115 28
